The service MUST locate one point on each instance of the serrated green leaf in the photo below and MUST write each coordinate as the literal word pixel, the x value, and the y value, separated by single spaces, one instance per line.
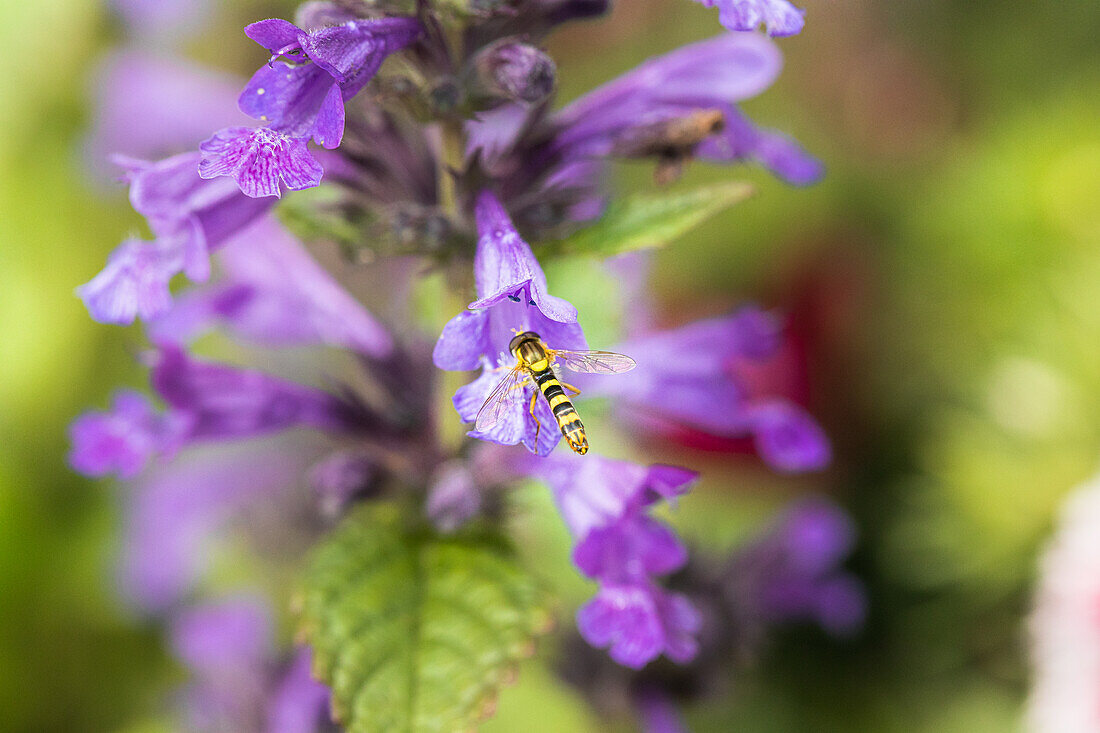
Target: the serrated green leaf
pixel 647 221
pixel 415 632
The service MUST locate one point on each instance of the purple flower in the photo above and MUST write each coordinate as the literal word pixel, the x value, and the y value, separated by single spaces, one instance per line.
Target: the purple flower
pixel 147 106
pixel 122 440
pixel 512 297
pixel 299 703
pixel 779 16
pixel 300 101
pixel 604 503
pixel 637 623
pixel 695 376
pixel 176 512
pixel 656 711
pixel 274 293
pixel 260 160
pixel 792 572
pixel 509 70
pixel 134 284
pixel 237 681
pixel 453 497
pixel 190 218
pixel 221 402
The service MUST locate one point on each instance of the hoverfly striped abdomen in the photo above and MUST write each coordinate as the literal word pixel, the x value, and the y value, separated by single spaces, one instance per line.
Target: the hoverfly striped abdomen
pixel 569 422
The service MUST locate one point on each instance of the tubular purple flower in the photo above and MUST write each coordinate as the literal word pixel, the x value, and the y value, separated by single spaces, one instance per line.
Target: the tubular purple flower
pixel 190 217
pixel 299 703
pixel 512 294
pixel 237 681
pixel 512 297
pixel 778 16
pixel 178 510
pixel 638 623
pixel 273 292
pixel 122 440
pixel 705 390
pixel 792 572
pixel 300 101
pixel 604 504
pixel 228 402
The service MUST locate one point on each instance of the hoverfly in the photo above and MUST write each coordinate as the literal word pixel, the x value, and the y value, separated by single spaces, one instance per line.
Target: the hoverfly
pixel 537 363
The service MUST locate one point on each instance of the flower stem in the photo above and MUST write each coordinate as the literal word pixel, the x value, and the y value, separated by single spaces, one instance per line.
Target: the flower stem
pixel 450 162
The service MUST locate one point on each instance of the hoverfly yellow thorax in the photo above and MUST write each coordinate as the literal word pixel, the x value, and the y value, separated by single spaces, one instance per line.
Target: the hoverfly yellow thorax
pixel 528 349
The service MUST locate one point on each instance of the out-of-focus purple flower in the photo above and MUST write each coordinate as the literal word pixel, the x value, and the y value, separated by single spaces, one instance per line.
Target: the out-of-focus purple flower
pixel 190 217
pixel 604 503
pixel 639 622
pixel 148 106
pixel 1064 624
pixel 122 440
pixel 742 141
pixel 134 284
pixel 453 497
pixel 273 292
pixel 177 510
pixel 164 21
pixel 778 16
pixel 512 297
pixel 656 712
pixel 340 477
pixel 792 572
pixel 693 376
pixel 299 703
pixel 223 402
pixel 237 681
pixel 300 101
pixel 232 637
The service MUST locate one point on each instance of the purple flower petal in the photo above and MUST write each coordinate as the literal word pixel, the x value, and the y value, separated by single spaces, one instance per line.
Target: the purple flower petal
pixel 505 267
pixel 592 491
pixel 300 704
pixel 630 550
pixel 227 402
pixel 121 440
pixel 274 34
pixel 453 350
pixel 135 281
pixel 788 439
pixel 352 52
pixel 229 637
pixel 298 101
pixel 258 159
pixel 638 623
pixel 740 140
pixel 177 511
pixel 516 425
pixel 779 16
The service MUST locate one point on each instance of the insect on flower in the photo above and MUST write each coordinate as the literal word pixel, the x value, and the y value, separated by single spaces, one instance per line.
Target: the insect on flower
pixel 537 363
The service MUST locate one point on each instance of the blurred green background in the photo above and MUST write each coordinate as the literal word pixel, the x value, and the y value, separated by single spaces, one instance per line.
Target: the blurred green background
pixel 944 279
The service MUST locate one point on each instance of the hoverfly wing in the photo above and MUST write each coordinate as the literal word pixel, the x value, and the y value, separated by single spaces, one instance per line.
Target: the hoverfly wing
pixel 503 396
pixel 594 362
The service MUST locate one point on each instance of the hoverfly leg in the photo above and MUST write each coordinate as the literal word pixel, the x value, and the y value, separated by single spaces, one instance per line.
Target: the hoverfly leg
pixel 570 387
pixel 538 425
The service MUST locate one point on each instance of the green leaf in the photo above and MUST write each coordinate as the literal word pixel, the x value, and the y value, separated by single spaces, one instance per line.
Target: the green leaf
pixel 646 221
pixel 415 632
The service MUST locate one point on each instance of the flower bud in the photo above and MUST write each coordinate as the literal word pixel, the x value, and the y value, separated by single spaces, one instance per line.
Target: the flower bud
pixel 512 70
